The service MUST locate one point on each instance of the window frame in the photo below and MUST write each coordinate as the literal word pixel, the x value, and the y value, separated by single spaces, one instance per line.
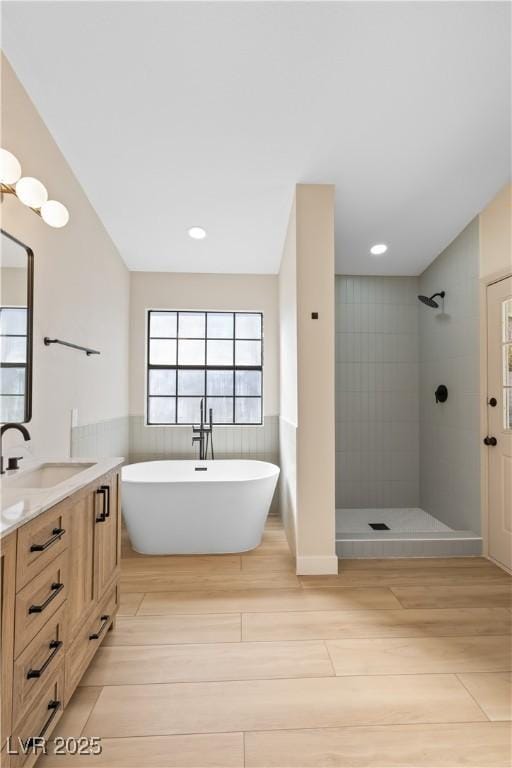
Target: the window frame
pixel 506 350
pixel 205 368
pixel 18 365
pixel 29 307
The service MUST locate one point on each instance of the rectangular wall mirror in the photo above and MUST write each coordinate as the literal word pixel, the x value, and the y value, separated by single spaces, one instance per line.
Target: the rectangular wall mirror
pixel 16 310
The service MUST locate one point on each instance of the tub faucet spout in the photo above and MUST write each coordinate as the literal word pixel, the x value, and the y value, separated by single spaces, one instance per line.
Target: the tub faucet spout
pixel 13 462
pixel 203 434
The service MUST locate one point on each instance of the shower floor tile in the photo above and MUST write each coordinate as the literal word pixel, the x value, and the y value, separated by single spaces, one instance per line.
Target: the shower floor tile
pixel 406 520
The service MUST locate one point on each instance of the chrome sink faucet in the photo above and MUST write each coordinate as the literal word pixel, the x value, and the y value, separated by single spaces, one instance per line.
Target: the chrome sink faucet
pixel 203 434
pixel 13 460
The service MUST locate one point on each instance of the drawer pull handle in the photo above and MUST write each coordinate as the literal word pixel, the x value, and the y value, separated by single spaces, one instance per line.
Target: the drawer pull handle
pixel 33 741
pixel 96 636
pixel 104 490
pixel 54 646
pixel 57 533
pixel 56 588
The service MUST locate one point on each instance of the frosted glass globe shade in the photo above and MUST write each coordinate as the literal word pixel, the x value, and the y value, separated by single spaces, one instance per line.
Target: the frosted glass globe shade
pixel 54 213
pixel 31 192
pixel 10 168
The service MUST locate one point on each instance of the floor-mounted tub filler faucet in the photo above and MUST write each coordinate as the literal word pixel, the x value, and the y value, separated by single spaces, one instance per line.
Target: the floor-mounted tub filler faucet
pixel 203 434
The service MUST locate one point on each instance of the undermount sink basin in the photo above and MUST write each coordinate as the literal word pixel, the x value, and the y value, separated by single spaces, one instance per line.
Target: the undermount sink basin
pixel 47 475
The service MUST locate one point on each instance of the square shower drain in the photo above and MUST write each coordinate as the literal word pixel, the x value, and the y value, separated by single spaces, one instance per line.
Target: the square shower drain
pixel 379 526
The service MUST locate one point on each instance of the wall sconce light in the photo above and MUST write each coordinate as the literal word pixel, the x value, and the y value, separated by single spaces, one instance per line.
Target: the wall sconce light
pixel 29 191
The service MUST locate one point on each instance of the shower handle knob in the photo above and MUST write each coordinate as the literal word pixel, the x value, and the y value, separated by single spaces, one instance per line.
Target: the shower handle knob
pixel 490 441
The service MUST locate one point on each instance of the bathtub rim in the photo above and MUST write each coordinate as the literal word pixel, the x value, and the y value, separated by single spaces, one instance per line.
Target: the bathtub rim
pixel 201 478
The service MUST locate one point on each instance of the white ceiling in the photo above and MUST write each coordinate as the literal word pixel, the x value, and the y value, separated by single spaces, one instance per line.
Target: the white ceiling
pixel 178 114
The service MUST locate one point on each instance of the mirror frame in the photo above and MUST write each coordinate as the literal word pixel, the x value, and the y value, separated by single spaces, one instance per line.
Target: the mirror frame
pixel 30 323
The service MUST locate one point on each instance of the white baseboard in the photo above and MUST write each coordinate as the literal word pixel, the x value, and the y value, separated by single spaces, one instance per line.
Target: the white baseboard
pixel 321 565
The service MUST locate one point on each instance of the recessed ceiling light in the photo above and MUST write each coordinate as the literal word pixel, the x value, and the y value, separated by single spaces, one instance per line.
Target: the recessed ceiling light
pixel 197 233
pixel 379 249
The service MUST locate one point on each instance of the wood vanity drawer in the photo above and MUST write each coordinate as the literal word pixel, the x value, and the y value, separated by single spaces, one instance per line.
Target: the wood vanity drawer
pixel 4 758
pixel 40 720
pixel 38 600
pixel 38 662
pixel 89 639
pixel 40 541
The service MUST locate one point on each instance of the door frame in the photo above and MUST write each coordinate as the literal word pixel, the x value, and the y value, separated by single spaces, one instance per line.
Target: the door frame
pixel 485 283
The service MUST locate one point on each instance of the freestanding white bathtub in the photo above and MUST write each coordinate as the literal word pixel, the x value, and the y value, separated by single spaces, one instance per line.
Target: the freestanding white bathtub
pixel 197 507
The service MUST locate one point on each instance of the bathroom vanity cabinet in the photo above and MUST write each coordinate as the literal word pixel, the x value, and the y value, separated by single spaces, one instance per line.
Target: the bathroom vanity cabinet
pixel 60 592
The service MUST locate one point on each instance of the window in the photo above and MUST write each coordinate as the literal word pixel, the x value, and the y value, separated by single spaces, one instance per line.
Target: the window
pixel 13 363
pixel 507 362
pixel 215 356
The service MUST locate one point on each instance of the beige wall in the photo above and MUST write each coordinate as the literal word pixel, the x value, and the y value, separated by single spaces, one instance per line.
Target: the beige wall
pixel 13 285
pixel 316 361
pixel 165 290
pixel 81 287
pixel 496 235
pixel 308 456
pixel 288 381
pixel 495 223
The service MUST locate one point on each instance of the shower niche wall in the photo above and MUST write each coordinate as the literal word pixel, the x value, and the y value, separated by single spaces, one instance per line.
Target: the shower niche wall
pixel 407 464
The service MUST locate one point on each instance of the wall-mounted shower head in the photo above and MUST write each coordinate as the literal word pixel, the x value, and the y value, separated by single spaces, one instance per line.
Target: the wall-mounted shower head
pixel 430 300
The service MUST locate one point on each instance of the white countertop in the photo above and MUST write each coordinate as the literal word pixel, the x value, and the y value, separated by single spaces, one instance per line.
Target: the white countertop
pixel 19 505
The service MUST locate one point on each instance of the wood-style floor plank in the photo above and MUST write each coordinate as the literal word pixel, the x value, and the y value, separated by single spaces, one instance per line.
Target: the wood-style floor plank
pixel 217 750
pixel 268 563
pixel 273 542
pixel 419 576
pixel 493 691
pixel 166 630
pixel 312 625
pixel 250 600
pixel 257 705
pixel 143 664
pixel 163 565
pixel 417 655
pixel 460 596
pixel 369 563
pixel 474 745
pixel 180 619
pixel 129 603
pixel 155 581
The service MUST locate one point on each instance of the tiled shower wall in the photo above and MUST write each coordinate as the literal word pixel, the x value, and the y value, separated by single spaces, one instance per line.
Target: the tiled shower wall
pixel 377 392
pixel 449 349
pixel 395 446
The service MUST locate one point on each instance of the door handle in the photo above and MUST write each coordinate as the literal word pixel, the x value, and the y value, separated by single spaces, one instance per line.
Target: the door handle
pixel 490 441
